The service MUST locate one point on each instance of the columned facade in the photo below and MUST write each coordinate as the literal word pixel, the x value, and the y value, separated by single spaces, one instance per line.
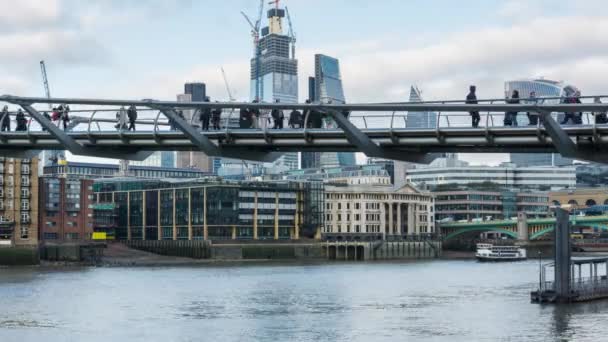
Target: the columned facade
pixel 380 210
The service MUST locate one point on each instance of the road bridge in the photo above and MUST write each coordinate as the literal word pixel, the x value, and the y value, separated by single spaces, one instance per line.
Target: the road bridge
pixel 536 228
pixel 391 139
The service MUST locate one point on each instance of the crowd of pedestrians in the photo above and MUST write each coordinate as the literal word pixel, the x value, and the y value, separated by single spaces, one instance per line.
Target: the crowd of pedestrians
pixel 510 117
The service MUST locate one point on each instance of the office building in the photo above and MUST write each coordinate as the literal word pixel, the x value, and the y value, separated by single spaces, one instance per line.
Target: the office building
pixel 419 119
pixel 136 209
pixel 489 205
pixel 375 174
pixel 382 210
pixel 579 198
pixel 18 202
pixel 543 88
pixel 193 159
pixel 196 90
pixel 591 175
pixel 65 212
pixel 94 170
pixel 329 89
pixel 277 73
pixel 157 159
pixel 503 177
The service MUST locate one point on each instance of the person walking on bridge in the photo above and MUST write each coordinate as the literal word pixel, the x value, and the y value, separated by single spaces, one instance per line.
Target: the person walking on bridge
pixel 511 117
pixel 277 117
pixel 64 109
pixel 21 121
pixel 121 119
pixel 216 116
pixel 132 115
pixel 295 119
pixel 472 99
pixel 6 119
pixel 313 118
pixel 205 116
pixel 255 115
pixel 577 118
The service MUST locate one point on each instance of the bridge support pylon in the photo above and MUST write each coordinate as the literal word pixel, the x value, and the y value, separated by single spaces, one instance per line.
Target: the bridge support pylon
pixel 562 254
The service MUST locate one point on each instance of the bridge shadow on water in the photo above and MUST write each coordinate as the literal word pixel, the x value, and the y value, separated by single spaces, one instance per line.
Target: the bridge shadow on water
pixel 569 320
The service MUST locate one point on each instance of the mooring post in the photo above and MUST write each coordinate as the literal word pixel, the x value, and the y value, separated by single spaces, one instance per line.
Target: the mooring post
pixel 562 255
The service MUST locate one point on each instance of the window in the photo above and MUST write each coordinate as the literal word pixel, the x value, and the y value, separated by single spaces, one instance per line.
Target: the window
pixel 25 169
pixel 25 217
pixel 71 236
pixel 10 180
pixel 357 206
pixel 25 193
pixel 25 180
pixel 25 204
pixel 25 232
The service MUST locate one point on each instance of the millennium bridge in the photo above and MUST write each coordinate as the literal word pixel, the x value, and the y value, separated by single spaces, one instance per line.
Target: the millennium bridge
pixel 376 129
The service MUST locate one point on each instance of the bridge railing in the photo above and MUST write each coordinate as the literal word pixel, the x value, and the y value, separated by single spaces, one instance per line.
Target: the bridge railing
pixel 414 115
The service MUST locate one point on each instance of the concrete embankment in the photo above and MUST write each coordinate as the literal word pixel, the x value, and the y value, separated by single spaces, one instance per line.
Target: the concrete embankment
pixel 19 256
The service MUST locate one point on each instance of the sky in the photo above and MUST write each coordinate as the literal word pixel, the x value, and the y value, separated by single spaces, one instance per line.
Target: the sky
pixel 136 49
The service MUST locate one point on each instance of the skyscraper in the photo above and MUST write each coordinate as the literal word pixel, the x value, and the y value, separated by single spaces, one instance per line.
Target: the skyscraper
pixel 420 119
pixel 277 73
pixel 197 91
pixel 328 89
pixel 542 88
pixel 191 159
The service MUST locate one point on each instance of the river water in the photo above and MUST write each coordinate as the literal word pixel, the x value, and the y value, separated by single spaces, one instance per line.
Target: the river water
pixel 416 301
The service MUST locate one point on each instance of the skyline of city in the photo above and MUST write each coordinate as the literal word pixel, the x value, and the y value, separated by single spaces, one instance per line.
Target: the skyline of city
pixel 403 63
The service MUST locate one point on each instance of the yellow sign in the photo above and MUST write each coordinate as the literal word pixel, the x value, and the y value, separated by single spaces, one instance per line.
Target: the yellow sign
pixel 99 235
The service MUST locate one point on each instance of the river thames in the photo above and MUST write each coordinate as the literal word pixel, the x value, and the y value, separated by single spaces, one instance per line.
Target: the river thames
pixel 418 301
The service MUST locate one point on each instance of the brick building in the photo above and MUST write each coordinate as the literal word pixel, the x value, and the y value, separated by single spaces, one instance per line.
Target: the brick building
pixel 18 202
pixel 65 209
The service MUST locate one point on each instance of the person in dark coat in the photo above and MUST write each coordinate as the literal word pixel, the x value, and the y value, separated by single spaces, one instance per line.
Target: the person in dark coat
pixel 511 117
pixel 205 116
pixel 277 117
pixel 472 99
pixel 132 115
pixel 245 118
pixel 64 110
pixel 313 118
pixel 21 121
pixel 6 119
pixel 295 119
pixel 216 116
pixel 577 118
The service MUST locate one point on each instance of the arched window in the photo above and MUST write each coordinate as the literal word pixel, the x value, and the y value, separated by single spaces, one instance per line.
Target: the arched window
pixel 557 204
pixel 606 202
pixel 573 202
pixel 590 202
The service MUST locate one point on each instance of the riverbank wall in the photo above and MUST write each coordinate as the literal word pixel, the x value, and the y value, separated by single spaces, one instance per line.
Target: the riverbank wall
pixel 19 256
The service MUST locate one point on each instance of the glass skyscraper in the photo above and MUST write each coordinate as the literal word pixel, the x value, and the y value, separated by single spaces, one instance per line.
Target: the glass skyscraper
pixel 420 119
pixel 542 88
pixel 328 89
pixel 277 74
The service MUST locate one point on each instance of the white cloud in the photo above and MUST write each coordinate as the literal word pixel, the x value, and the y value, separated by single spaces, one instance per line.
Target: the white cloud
pixel 28 13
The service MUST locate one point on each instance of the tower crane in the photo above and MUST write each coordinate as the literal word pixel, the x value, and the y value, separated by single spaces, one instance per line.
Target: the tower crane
pixel 45 81
pixel 255 33
pixel 232 99
pixel 291 34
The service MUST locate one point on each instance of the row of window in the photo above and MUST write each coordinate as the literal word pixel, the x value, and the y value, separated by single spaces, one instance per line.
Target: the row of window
pixel 9 204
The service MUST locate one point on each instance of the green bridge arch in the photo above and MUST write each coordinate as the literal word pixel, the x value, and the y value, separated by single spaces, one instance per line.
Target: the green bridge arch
pixel 547 230
pixel 479 229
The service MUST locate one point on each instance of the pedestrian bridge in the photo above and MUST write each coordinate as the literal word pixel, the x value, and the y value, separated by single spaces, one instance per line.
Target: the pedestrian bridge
pixel 537 228
pixel 378 130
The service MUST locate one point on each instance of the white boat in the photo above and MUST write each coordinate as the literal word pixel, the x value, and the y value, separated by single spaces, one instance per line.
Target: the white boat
pixel 489 252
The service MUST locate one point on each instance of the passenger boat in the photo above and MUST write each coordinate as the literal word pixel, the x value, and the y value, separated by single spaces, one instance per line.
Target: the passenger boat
pixel 489 252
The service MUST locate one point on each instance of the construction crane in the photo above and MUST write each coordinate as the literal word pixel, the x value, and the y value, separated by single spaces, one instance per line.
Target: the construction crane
pixel 291 34
pixel 232 99
pixel 255 33
pixel 45 81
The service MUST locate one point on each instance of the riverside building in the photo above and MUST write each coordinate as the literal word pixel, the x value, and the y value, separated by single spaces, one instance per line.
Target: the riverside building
pixel 508 176
pixel 469 205
pixel 379 211
pixel 138 209
pixel 18 202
